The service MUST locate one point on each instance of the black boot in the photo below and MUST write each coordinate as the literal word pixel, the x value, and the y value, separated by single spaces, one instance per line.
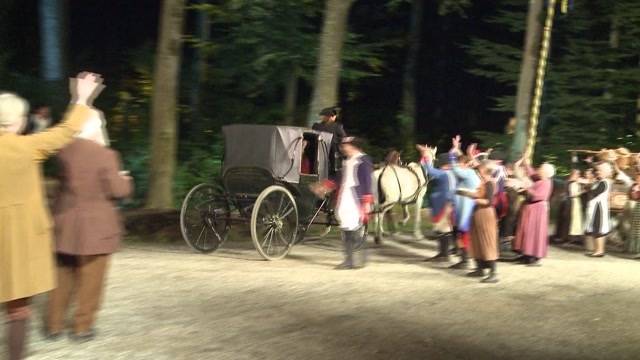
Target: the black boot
pixel 479 271
pixel 347 264
pixel 464 261
pixel 492 278
pixel 533 261
pixel 443 249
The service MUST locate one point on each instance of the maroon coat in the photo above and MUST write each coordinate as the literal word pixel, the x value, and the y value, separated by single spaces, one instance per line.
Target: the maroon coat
pixel 86 219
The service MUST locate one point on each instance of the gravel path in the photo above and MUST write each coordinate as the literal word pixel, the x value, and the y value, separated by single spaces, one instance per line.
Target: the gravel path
pixel 169 303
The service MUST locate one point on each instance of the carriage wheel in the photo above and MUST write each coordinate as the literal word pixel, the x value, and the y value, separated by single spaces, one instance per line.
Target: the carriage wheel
pixel 274 222
pixel 204 218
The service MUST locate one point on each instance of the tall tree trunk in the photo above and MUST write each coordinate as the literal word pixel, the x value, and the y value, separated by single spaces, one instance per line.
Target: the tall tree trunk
pixel 163 106
pixel 526 82
pixel 291 96
pixel 202 33
pixel 409 113
pixel 52 44
pixel 326 82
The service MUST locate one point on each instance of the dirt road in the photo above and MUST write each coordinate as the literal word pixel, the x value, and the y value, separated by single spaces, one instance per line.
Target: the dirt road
pixel 169 303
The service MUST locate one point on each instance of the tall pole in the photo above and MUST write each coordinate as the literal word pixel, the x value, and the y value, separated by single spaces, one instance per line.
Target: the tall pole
pixel 534 116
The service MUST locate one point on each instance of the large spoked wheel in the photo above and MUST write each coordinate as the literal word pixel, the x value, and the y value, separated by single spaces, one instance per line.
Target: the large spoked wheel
pixel 274 222
pixel 205 218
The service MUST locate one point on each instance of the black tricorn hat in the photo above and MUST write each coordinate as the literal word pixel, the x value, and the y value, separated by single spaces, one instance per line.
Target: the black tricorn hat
pixel 330 111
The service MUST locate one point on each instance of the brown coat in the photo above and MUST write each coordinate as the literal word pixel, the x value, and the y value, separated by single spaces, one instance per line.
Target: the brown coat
pixel 86 219
pixel 484 226
pixel 26 260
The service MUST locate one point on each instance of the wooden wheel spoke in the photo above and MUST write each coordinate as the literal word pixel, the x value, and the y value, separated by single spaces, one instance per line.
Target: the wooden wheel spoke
pixel 270 240
pixel 287 211
pixel 281 203
pixel 267 236
pixel 284 241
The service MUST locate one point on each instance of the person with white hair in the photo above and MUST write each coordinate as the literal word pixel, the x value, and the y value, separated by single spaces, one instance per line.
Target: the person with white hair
pixel 88 228
pixel 597 225
pixel 532 236
pixel 26 264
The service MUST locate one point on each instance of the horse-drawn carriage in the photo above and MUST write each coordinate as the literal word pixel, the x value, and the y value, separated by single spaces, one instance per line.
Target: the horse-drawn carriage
pixel 265 180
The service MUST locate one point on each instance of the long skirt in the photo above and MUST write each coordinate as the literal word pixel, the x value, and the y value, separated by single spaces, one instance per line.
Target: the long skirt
pixel 633 242
pixel 532 234
pixel 484 234
pixel 569 221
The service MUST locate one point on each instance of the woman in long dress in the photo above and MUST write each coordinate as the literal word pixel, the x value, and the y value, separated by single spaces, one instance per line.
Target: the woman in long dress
pixel 597 224
pixel 484 227
pixel 569 225
pixel 532 234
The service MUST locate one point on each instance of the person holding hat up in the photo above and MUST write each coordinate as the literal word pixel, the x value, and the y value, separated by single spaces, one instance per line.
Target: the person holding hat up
pixel 328 124
pixel 441 198
pixel 26 261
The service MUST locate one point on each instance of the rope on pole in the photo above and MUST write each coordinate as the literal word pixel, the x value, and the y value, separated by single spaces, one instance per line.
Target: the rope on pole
pixel 540 73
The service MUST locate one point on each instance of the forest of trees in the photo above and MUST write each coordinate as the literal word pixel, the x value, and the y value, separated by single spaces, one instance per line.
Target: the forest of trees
pixel 404 71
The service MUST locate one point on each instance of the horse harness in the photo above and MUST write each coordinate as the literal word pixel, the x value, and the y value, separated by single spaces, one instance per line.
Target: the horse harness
pixel 413 197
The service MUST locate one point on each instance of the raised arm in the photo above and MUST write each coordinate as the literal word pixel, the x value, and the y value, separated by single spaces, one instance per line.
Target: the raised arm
pixel 47 143
pixel 426 160
pixel 84 89
pixel 430 170
pixel 539 190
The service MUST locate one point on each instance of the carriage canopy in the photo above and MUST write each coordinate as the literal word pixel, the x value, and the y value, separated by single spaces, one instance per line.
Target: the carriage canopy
pixel 277 149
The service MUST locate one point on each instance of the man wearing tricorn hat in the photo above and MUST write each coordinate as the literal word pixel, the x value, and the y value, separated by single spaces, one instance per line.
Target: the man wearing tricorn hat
pixel 328 124
pixel 354 197
pixel 441 198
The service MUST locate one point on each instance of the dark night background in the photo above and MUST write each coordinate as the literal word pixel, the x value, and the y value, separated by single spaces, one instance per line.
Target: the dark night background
pixel 103 34
pixel 466 74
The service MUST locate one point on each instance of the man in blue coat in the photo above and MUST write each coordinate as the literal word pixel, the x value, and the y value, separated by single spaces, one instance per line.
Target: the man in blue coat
pixel 442 199
pixel 467 180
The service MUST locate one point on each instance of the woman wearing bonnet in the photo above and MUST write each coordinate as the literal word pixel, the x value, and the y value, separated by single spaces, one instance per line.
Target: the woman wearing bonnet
pixel 88 228
pixel 532 234
pixel 26 267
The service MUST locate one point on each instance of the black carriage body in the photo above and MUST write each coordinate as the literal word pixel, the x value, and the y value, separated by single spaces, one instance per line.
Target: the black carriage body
pixel 274 149
pixel 258 156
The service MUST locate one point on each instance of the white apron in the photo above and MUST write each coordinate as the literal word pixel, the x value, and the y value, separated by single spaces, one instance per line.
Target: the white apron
pixel 348 205
pixel 599 202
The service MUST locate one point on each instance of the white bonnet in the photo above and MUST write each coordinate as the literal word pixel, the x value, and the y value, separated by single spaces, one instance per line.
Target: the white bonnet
pixel 12 109
pixel 94 129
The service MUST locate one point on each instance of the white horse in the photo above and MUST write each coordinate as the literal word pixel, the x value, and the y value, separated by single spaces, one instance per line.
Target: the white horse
pixel 403 185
